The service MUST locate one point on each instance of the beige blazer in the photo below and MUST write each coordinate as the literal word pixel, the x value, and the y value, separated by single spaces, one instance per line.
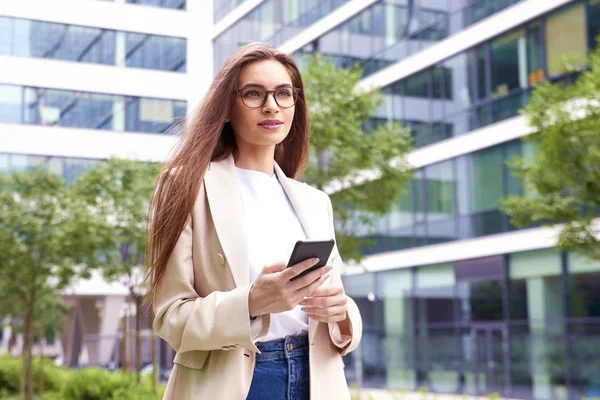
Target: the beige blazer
pixel 201 309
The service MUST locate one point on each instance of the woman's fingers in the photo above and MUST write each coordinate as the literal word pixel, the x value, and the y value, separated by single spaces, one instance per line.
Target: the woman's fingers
pixel 325 311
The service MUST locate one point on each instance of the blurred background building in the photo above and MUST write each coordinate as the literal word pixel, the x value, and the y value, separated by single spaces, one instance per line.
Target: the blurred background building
pixel 455 298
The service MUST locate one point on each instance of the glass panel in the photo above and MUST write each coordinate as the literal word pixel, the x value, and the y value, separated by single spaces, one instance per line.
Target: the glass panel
pixel 417 85
pixel 435 315
pixel 401 214
pixel 4 163
pixel 440 190
pixel 593 23
pixel 565 37
pixel 481 73
pixel 508 63
pixel 584 287
pixel 395 294
pixel 460 86
pixel 156 52
pixel 11 104
pixel 487 178
pixel 535 51
pixel 6 35
pixel 97 111
pixel 29 38
pixel 512 149
pixel 535 301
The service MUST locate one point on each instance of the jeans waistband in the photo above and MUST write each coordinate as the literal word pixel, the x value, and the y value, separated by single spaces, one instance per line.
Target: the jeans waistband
pixel 290 346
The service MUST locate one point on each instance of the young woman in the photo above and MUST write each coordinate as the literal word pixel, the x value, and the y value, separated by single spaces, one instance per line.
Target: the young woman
pixel 225 216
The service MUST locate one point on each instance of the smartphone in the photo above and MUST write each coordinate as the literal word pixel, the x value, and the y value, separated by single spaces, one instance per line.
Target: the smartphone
pixel 305 249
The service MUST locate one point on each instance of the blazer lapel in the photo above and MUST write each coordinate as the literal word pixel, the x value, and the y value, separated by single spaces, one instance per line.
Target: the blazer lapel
pixel 223 193
pixel 302 209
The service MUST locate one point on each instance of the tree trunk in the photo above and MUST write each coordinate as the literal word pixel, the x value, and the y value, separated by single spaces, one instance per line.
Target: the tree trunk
pixel 42 343
pixel 138 339
pixel 155 367
pixel 12 340
pixel 24 347
pixel 125 353
pixel 30 361
pixel 26 384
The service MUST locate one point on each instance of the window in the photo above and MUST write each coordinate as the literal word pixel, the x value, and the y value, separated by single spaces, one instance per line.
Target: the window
pixel 536 346
pixel 593 23
pixel 440 190
pixel 417 85
pixel 535 51
pixel 487 178
pixel 10 104
pixel 508 63
pixel 565 38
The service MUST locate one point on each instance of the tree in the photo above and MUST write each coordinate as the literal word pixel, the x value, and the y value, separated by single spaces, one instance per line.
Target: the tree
pixel 344 152
pixel 40 254
pixel 120 190
pixel 562 181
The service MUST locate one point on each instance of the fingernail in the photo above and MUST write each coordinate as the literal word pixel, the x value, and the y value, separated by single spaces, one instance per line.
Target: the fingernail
pixel 315 260
pixel 328 268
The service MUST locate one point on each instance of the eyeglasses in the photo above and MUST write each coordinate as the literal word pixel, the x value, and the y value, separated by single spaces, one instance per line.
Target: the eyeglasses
pixel 256 96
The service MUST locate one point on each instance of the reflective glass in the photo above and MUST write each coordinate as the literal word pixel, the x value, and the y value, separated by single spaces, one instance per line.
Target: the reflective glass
pixel 11 98
pixel 177 4
pixel 67 167
pixel 28 38
pixel 566 36
pixel 53 107
pixel 536 345
pixel 508 63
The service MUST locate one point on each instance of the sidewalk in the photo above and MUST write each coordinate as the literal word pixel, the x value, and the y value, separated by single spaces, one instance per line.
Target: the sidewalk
pixel 381 394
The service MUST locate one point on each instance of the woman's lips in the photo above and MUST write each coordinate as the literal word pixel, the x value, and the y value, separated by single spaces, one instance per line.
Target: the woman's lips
pixel 270 125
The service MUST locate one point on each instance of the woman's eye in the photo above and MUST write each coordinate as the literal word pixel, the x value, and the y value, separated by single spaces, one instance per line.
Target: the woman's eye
pixel 284 93
pixel 251 93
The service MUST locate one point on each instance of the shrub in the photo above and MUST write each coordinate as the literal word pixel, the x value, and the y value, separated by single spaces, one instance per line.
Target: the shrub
pixel 10 375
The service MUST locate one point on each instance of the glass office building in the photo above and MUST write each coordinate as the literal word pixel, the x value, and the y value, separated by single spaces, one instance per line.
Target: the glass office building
pixel 456 299
pixel 101 79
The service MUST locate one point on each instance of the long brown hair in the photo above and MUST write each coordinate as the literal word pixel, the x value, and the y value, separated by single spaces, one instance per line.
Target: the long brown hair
pixel 205 138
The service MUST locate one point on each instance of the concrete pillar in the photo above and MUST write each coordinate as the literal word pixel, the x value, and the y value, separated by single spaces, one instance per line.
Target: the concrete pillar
pixel 543 303
pixel 199 50
pixel 109 327
pixel 120 54
pixel 91 328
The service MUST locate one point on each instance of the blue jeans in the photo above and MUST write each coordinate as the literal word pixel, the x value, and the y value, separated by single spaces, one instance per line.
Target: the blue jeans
pixel 282 370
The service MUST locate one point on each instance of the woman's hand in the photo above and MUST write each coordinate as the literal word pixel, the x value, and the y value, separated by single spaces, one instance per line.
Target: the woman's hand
pixel 327 304
pixel 272 292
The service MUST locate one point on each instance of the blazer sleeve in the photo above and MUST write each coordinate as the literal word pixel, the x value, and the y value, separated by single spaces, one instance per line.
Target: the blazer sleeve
pixel 219 321
pixel 345 343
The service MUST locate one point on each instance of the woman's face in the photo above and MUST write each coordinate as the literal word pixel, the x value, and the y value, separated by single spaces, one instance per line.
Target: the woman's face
pixel 269 124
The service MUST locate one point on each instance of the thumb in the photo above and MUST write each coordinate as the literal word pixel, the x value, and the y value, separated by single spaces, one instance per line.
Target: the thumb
pixel 275 267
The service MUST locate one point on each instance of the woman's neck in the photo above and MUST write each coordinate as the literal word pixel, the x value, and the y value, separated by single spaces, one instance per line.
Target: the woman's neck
pixel 256 159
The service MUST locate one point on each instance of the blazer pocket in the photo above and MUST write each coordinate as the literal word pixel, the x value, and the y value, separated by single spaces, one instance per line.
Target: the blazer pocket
pixel 192 359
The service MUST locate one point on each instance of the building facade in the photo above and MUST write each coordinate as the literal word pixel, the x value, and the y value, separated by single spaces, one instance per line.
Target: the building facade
pixel 455 299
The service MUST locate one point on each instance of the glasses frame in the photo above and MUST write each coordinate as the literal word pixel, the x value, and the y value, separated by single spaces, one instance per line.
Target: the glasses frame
pixel 269 92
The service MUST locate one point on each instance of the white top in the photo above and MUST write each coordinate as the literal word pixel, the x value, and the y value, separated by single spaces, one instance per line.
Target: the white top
pixel 272 228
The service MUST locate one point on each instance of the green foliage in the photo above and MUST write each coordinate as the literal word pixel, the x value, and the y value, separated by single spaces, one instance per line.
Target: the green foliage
pixel 562 182
pixel 119 190
pixel 84 384
pixel 10 373
pixel 342 151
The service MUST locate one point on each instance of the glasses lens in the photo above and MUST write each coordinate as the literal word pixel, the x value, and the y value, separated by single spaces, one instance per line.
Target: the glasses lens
pixel 253 97
pixel 286 97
